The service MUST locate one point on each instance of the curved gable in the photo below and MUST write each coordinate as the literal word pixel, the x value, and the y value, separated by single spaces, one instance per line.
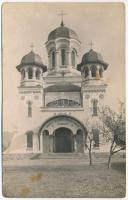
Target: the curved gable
pixel 63 88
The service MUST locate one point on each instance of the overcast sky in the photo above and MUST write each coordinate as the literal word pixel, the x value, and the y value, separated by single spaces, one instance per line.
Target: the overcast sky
pixel 26 23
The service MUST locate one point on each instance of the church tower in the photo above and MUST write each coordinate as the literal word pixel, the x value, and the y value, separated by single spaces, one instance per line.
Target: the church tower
pixel 31 69
pixel 63 46
pixel 63 80
pixel 93 86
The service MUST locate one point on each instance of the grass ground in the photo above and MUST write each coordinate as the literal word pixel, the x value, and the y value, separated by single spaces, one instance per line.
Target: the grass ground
pixel 64 178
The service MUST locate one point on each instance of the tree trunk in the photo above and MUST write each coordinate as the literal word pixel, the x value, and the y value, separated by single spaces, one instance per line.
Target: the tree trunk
pixel 110 155
pixel 109 160
pixel 90 157
pixel 90 152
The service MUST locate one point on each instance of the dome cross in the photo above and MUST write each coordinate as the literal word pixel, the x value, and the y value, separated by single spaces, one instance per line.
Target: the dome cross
pixel 91 44
pixel 32 47
pixel 62 15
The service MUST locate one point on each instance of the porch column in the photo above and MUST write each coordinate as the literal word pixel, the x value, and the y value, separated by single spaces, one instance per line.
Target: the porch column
pixel 41 142
pixel 50 143
pixel 75 144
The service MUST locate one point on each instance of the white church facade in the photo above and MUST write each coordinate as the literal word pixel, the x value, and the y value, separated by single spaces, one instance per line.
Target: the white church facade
pixel 56 100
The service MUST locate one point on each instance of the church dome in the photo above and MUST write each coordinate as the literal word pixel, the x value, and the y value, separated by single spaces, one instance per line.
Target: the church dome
pixel 62 31
pixel 31 59
pixel 92 57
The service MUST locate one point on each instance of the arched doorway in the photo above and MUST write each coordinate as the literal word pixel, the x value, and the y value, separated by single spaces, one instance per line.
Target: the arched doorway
pixel 63 140
pixel 65 134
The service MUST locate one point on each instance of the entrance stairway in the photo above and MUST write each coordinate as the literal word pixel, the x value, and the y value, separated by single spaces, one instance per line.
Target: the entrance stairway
pixel 34 156
pixel 59 156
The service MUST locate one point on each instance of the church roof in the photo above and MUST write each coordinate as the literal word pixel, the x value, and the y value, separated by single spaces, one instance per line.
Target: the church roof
pixel 62 31
pixel 92 57
pixel 32 59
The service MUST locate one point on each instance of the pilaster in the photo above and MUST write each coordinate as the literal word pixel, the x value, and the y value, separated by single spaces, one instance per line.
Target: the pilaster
pixel 35 143
pixel 51 143
pixel 68 58
pixel 75 144
pixel 57 58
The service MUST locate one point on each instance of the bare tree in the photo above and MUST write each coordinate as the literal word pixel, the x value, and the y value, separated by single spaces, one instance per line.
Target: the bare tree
pixel 113 129
pixel 91 126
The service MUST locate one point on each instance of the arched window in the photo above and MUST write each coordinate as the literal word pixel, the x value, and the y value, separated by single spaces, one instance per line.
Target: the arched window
pixel 101 72
pixel 29 108
pixel 63 103
pixel 95 102
pixel 29 140
pixel 86 72
pixel 93 70
pixel 22 74
pixel 53 58
pixel 38 74
pixel 73 58
pixel 30 73
pixel 63 57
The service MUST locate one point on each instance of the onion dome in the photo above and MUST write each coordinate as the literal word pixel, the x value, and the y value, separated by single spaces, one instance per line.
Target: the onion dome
pixel 32 59
pixel 62 31
pixel 92 57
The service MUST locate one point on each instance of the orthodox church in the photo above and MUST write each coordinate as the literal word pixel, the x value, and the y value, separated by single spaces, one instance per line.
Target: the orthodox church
pixel 56 100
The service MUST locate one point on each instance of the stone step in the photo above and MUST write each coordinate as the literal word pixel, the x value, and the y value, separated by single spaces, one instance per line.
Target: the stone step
pixel 17 156
pixel 59 156
pixel 32 156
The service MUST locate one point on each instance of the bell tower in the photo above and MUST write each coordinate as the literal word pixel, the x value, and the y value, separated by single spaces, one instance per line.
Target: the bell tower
pixel 93 85
pixel 31 69
pixel 63 46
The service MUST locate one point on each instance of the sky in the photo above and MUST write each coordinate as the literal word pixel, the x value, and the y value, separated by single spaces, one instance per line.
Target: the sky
pixel 27 23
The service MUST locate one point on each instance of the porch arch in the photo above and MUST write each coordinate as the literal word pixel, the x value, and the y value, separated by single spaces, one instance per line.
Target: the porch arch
pixel 63 123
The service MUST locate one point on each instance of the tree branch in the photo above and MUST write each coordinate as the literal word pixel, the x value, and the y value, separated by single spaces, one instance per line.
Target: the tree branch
pixel 118 150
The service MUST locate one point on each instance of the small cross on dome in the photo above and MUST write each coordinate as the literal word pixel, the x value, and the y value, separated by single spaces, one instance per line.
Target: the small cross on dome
pixel 62 14
pixel 32 47
pixel 91 44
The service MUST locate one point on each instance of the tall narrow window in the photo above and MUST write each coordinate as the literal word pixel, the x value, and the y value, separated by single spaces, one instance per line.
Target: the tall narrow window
pixel 86 72
pixel 29 140
pixel 53 59
pixel 73 59
pixel 101 72
pixel 93 70
pixel 23 74
pixel 29 109
pixel 96 138
pixel 95 102
pixel 30 73
pixel 63 57
pixel 38 74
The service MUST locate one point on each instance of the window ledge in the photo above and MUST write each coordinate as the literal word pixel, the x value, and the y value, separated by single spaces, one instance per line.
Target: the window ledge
pixel 46 109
